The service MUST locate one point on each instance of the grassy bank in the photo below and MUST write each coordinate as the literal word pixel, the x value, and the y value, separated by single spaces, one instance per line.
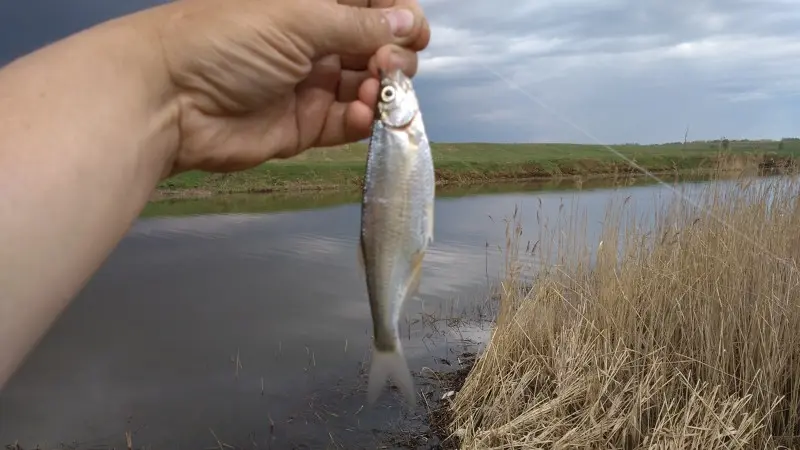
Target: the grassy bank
pixel 343 167
pixel 686 337
pixel 295 201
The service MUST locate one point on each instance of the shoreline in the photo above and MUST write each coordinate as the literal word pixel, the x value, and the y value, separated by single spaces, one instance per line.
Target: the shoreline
pixel 440 417
pixel 301 187
pixel 569 360
pixel 341 168
pixel 435 419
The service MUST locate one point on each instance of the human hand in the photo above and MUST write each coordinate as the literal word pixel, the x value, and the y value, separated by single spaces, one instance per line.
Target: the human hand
pixel 258 79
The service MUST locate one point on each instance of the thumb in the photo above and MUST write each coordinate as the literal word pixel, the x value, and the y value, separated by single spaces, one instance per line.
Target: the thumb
pixel 352 30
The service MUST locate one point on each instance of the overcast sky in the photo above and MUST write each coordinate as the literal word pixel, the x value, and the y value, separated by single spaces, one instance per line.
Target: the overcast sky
pixel 563 70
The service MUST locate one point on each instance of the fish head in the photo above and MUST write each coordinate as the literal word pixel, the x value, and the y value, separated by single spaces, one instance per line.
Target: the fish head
pixel 397 102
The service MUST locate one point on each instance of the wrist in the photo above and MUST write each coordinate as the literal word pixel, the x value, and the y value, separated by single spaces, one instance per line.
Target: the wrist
pixel 137 40
pixel 105 87
pixel 127 63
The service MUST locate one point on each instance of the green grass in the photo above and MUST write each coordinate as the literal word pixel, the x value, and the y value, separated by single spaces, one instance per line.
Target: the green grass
pixel 468 163
pixel 245 203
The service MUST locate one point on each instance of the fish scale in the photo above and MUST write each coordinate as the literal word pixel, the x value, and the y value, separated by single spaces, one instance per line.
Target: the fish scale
pixel 396 224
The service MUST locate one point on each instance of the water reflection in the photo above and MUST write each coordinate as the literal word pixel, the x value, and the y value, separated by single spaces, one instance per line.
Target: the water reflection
pixel 282 202
pixel 152 342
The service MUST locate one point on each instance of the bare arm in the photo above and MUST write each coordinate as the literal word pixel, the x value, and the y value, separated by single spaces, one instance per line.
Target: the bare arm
pixel 89 125
pixel 87 129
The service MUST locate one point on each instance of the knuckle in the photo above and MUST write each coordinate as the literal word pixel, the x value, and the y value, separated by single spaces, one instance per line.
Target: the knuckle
pixel 359 22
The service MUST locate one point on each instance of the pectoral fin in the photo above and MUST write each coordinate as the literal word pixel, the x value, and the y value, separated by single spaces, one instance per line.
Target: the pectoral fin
pixel 429 230
pixel 415 275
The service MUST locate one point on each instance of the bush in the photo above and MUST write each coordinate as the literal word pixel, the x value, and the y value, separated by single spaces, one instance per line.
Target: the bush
pixel 683 337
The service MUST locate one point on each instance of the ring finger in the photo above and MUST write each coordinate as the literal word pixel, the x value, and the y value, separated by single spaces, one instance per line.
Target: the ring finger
pixel 388 57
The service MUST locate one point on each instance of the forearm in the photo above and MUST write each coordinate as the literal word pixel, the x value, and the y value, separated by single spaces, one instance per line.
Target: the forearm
pixel 87 129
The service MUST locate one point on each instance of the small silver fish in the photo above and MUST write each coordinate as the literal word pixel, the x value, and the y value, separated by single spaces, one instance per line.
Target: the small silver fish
pixel 396 224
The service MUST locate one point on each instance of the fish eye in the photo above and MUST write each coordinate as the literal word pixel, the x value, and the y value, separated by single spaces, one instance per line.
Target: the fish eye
pixel 387 94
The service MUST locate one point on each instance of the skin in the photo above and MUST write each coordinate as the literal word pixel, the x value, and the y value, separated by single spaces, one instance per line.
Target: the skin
pixel 87 130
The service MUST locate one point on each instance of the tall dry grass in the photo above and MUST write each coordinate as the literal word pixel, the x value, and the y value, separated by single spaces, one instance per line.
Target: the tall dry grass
pixel 681 334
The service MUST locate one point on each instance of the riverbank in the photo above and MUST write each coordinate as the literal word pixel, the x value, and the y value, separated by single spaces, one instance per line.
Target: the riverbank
pixel 296 201
pixel 687 337
pixel 342 168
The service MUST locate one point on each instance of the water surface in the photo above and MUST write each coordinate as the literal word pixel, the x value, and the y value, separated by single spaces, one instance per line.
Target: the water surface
pixel 206 301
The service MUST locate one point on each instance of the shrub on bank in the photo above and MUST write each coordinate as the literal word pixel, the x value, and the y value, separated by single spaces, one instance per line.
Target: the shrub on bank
pixel 686 335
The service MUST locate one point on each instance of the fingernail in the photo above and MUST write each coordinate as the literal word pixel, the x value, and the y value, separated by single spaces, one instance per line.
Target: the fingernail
pixel 401 21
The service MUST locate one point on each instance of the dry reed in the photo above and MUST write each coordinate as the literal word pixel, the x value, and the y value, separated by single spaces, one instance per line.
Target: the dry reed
pixel 678 333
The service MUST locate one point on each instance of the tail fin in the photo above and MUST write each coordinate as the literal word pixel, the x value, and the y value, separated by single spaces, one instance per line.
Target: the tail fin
pixel 390 365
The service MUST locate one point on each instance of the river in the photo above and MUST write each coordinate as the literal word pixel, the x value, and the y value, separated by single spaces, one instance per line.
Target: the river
pixel 243 320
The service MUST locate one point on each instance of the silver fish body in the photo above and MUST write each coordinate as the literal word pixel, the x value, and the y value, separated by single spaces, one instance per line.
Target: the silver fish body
pixel 396 224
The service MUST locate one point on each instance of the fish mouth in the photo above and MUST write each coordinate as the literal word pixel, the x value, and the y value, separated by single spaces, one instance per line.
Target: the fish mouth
pixel 392 74
pixel 387 122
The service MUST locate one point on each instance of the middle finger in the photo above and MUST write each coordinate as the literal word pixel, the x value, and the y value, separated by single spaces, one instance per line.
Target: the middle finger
pixel 388 57
pixel 355 62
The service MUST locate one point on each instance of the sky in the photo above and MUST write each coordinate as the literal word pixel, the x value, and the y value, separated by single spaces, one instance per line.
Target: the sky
pixel 583 71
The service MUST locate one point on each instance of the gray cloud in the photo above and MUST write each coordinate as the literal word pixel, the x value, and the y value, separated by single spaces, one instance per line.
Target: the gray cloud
pixel 619 70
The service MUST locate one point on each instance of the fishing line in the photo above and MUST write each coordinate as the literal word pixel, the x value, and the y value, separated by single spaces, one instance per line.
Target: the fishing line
pixel 616 152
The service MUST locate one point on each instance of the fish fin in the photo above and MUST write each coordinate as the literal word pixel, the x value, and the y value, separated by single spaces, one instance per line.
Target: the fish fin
pixel 392 365
pixel 429 231
pixel 416 275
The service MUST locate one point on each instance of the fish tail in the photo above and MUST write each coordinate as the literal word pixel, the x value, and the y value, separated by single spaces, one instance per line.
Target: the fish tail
pixel 390 364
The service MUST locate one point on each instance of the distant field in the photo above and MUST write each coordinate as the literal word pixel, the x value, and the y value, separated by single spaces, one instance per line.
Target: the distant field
pixel 466 163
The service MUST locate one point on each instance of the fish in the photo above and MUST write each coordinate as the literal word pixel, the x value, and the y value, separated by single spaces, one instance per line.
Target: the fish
pixel 397 217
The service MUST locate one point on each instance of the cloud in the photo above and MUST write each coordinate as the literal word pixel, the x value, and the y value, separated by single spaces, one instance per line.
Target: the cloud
pixel 619 70
pixel 563 70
